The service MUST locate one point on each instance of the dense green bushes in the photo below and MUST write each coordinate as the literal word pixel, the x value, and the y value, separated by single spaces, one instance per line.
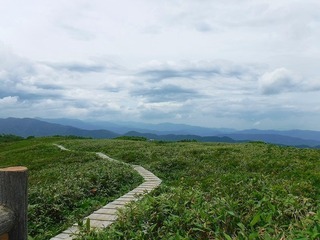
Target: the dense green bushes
pixel 190 213
pixel 220 191
pixel 65 186
pixel 9 138
pixel 131 138
pixel 72 191
pixel 209 190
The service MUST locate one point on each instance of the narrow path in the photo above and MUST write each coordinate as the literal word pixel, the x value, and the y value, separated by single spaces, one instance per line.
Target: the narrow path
pixel 107 215
pixel 61 147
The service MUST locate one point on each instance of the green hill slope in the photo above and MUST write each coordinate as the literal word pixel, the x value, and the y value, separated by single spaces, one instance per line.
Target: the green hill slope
pixel 64 186
pixel 219 191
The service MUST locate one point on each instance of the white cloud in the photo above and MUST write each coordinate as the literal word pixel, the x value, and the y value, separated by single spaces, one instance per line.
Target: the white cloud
pixel 282 80
pixel 7 101
pixel 233 63
pixel 277 81
pixel 312 85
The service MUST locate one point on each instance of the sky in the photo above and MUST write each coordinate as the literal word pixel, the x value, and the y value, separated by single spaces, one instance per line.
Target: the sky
pixel 234 64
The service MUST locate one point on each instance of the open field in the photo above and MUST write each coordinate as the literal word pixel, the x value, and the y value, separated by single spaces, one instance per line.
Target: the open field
pixel 64 186
pixel 209 190
pixel 218 191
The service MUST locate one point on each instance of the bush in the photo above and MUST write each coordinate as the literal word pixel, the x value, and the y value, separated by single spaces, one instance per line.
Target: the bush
pixel 65 186
pixel 10 138
pixel 132 138
pixel 221 191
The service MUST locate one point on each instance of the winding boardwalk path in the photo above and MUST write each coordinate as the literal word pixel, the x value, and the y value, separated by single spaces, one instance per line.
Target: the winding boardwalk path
pixel 107 215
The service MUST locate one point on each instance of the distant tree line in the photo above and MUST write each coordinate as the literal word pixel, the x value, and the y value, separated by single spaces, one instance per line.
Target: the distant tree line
pixel 132 138
pixel 10 138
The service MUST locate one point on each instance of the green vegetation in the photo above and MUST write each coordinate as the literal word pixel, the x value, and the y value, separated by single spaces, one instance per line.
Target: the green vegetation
pixel 64 186
pixel 133 138
pixel 9 138
pixel 210 190
pixel 188 140
pixel 218 191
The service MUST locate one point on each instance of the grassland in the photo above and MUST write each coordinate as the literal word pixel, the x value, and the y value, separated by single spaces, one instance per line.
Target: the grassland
pixel 218 191
pixel 209 190
pixel 64 186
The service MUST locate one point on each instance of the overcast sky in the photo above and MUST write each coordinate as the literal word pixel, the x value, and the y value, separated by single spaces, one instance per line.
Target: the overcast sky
pixel 233 63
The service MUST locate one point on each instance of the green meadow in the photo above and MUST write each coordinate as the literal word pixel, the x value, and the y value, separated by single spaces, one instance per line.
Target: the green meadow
pixel 64 186
pixel 209 190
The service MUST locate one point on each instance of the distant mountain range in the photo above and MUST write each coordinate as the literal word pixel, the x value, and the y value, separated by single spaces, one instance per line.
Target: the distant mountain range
pixel 165 131
pixel 124 127
pixel 32 127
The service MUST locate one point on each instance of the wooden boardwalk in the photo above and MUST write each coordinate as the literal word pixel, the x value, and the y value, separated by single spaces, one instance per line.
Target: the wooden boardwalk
pixel 107 215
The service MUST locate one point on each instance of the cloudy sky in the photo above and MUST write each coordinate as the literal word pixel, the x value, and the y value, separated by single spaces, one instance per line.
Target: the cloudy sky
pixel 234 63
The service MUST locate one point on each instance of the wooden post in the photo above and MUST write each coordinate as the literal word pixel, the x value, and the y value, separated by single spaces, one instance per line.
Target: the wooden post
pixel 6 220
pixel 13 196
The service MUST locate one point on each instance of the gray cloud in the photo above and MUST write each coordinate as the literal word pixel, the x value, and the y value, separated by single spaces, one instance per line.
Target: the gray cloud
pixel 78 33
pixel 277 81
pixel 165 93
pixel 29 96
pixel 158 75
pixel 203 27
pixel 196 71
pixel 152 29
pixel 26 80
pixel 50 86
pixel 171 52
pixel 79 67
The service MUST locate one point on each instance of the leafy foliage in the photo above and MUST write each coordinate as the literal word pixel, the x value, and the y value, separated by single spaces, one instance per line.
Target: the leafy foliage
pixel 65 186
pixel 188 140
pixel 133 138
pixel 9 138
pixel 210 191
pixel 219 191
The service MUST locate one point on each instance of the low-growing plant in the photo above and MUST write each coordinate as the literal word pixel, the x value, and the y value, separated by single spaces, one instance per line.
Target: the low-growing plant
pixel 9 138
pixel 219 191
pixel 65 186
pixel 132 138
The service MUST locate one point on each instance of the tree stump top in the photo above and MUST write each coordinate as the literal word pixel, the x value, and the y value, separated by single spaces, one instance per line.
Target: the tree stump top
pixel 14 169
